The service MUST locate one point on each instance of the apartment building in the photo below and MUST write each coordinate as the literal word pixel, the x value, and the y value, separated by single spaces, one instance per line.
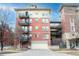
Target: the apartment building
pixel 34 25
pixel 70 24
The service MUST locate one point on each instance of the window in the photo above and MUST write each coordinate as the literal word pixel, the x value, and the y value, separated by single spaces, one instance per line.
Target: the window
pixel 30 20
pixel 45 28
pixel 30 14
pixel 24 28
pixel 23 20
pixel 73 28
pixel 30 28
pixel 42 14
pixel 36 27
pixel 47 14
pixel 36 19
pixel 30 35
pixel 36 35
pixel 36 13
pixel 46 36
pixel 72 25
pixel 25 36
pixel 45 21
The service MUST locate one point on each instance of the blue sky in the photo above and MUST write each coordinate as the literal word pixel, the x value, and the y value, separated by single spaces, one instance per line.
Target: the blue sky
pixel 53 6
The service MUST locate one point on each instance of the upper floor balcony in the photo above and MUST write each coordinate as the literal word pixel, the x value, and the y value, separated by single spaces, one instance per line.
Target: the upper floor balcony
pixel 24 22
pixel 25 37
pixel 25 30
pixel 24 15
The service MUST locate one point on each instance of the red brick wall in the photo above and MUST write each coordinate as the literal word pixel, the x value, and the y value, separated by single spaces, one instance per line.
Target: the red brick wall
pixel 39 31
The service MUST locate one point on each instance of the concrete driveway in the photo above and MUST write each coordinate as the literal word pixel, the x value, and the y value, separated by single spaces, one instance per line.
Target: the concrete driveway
pixel 37 52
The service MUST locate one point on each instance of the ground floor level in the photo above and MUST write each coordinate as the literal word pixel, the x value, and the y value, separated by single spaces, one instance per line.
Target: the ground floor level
pixel 41 44
pixel 72 44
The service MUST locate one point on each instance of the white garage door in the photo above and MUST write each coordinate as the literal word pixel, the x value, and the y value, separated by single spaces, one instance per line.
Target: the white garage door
pixel 39 45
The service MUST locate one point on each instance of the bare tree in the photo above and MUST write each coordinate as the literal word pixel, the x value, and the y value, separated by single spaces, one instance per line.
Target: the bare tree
pixel 4 13
pixel 2 29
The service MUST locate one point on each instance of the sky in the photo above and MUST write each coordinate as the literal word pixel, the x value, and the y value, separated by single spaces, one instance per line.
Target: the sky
pixel 55 15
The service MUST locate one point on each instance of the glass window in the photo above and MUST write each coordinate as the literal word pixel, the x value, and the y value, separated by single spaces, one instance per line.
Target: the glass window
pixel 36 27
pixel 36 35
pixel 46 36
pixel 25 36
pixel 25 28
pixel 31 14
pixel 30 35
pixel 36 13
pixel 36 19
pixel 45 28
pixel 47 14
pixel 45 21
pixel 22 27
pixel 73 28
pixel 30 20
pixel 42 14
pixel 23 20
pixel 30 28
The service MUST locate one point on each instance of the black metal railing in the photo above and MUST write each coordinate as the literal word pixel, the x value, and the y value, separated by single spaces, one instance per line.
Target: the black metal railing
pixel 24 23
pixel 23 15
pixel 24 38
pixel 25 30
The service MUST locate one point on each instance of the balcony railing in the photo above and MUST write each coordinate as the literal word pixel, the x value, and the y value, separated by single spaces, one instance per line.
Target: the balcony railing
pixel 23 15
pixel 25 30
pixel 24 38
pixel 24 23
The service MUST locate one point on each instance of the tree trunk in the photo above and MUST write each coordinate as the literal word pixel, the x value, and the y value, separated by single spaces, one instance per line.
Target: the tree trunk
pixel 2 35
pixel 1 45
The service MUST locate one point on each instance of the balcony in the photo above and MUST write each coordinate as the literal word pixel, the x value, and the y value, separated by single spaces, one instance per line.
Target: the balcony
pixel 23 16
pixel 24 23
pixel 25 30
pixel 24 38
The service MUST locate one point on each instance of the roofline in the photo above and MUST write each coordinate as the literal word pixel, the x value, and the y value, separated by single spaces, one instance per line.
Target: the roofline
pixel 17 9
pixel 20 9
pixel 68 5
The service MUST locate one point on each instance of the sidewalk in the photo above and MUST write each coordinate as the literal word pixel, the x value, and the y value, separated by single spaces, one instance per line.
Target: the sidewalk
pixel 74 52
pixel 12 50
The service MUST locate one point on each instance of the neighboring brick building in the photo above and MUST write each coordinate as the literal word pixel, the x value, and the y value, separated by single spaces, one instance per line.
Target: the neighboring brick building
pixel 38 27
pixel 70 24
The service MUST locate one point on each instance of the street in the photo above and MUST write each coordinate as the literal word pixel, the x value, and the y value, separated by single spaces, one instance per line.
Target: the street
pixel 37 52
